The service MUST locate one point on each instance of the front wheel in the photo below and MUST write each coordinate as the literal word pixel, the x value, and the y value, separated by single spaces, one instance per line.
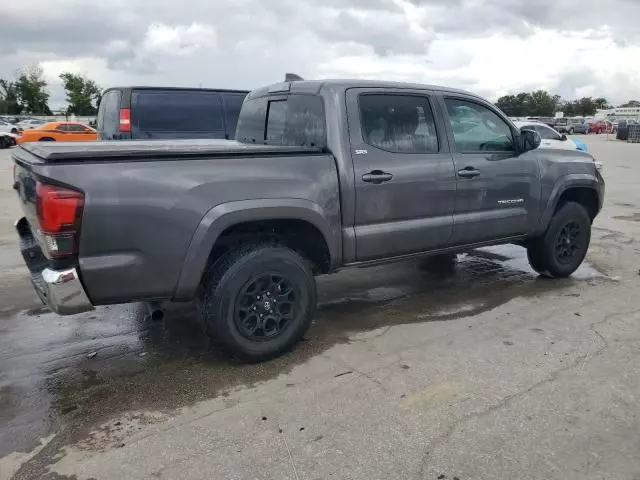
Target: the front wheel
pixel 571 131
pixel 561 250
pixel 258 301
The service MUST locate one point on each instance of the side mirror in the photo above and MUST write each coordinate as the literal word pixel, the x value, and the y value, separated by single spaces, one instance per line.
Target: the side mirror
pixel 529 140
pixel 563 137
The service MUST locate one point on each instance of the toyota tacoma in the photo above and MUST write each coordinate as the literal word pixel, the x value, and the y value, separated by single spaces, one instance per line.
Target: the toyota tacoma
pixel 322 175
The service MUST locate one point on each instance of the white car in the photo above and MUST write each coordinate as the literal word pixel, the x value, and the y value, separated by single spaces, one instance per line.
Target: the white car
pixel 7 139
pixel 554 139
pixel 550 137
pixel 30 123
pixel 7 127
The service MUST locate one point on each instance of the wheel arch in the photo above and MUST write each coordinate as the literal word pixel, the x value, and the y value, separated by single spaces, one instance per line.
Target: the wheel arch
pixel 579 188
pixel 226 216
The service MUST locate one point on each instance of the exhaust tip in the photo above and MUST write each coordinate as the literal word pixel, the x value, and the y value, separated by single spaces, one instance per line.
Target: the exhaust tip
pixel 155 311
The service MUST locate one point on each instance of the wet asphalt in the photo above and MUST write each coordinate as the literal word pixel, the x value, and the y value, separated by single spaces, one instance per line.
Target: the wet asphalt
pixel 65 376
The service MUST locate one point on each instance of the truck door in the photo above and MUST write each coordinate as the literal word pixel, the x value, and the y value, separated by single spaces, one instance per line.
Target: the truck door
pixel 404 176
pixel 497 189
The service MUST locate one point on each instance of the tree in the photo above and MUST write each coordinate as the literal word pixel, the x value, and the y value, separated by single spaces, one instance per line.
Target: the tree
pixel 514 105
pixel 82 94
pixel 9 103
pixel 541 104
pixel 32 92
pixel 631 103
pixel 602 103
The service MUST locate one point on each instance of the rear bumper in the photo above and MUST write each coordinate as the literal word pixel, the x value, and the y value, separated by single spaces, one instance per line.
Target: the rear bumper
pixel 61 290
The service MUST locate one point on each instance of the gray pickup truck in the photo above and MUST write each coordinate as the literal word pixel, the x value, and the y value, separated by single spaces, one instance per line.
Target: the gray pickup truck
pixel 322 175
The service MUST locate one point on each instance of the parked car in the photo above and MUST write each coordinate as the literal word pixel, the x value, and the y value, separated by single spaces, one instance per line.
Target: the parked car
pixel 7 139
pixel 29 124
pixel 59 132
pixel 323 175
pixel 571 126
pixel 550 121
pixel 600 126
pixel 552 138
pixel 130 113
pixel 6 127
pixel 622 130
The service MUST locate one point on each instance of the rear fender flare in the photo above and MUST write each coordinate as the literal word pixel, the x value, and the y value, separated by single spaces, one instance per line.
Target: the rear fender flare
pixel 225 215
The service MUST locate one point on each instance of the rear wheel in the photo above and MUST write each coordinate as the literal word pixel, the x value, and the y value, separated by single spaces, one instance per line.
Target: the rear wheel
pixel 561 250
pixel 258 301
pixel 4 143
pixel 47 139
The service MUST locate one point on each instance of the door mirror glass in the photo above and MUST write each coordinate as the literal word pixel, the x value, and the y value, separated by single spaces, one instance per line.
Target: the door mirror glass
pixel 529 140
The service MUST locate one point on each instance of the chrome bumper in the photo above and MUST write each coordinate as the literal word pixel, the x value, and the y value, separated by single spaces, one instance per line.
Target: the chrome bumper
pixel 60 290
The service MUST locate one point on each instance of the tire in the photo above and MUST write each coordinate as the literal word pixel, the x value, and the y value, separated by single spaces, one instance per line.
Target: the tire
pixel 46 139
pixel 4 143
pixel 549 255
pixel 571 131
pixel 14 131
pixel 233 318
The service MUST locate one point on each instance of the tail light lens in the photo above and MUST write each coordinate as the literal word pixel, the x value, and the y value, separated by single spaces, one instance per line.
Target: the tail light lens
pixel 125 120
pixel 59 211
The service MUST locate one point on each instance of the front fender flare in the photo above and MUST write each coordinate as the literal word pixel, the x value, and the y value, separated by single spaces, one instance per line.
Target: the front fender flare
pixel 225 215
pixel 561 185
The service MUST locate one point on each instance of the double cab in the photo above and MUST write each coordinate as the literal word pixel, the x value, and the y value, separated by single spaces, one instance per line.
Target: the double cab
pixel 322 175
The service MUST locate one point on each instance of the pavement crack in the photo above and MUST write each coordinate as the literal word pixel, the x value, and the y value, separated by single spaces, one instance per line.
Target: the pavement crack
pixel 579 362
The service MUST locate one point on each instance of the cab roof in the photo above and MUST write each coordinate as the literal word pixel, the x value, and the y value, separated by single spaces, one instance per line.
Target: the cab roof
pixel 315 86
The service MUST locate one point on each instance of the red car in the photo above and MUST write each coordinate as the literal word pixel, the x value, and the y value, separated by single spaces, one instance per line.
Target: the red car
pixel 600 127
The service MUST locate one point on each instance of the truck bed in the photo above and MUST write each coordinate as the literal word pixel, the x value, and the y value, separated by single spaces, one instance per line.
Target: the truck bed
pixel 51 152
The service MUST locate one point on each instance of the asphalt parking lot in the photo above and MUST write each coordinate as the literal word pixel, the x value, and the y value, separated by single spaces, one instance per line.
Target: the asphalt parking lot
pixel 480 372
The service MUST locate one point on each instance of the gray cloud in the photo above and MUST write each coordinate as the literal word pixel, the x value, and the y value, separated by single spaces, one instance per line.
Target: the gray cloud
pixel 257 41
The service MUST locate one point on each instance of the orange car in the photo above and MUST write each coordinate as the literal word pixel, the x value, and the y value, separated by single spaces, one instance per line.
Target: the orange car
pixel 59 132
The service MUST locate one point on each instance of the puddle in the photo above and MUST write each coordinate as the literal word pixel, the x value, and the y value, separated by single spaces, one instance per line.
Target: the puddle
pixel 629 218
pixel 50 379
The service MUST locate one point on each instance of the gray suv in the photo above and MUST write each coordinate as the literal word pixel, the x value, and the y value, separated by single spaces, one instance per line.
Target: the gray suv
pixel 571 126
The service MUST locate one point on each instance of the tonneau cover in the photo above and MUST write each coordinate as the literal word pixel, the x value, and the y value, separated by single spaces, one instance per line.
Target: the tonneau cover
pixel 142 149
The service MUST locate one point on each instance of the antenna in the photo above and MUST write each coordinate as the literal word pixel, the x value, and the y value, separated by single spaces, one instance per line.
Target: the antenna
pixel 292 77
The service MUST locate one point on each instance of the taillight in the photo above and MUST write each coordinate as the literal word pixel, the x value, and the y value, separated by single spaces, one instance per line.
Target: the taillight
pixel 125 120
pixel 59 211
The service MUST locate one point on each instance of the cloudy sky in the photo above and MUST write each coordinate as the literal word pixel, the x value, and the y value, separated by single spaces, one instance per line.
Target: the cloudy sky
pixel 491 47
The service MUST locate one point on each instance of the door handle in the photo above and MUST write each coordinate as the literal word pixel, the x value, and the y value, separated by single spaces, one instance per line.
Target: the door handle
pixel 468 172
pixel 376 177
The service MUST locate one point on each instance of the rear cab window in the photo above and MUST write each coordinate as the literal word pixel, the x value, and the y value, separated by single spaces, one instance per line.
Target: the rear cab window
pixel 292 120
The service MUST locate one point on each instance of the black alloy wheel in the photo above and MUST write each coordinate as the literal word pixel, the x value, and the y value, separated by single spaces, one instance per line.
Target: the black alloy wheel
pixel 568 243
pixel 265 306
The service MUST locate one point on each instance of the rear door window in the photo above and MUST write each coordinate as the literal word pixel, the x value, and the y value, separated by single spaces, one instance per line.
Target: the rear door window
pixel 398 123
pixel 168 113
